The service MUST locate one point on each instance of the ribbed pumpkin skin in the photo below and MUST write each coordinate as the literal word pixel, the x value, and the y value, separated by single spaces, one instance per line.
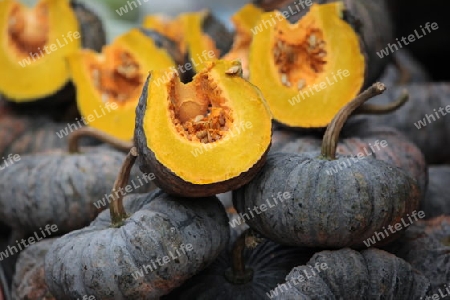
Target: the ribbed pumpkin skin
pixel 431 139
pixel 92 33
pixel 370 18
pixel 28 282
pixel 437 197
pixel 269 261
pixel 99 260
pixel 357 137
pixel 426 246
pixel 59 188
pixel 218 32
pixel 327 210
pixel 370 274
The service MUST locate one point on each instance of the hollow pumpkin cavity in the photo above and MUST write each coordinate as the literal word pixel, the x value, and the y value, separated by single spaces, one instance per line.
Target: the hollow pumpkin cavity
pixel 109 83
pixel 28 29
pixel 199 111
pixel 116 75
pixel 311 69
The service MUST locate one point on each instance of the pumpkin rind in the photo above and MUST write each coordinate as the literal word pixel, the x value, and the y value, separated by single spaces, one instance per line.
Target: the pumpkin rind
pixel 99 260
pixel 28 282
pixel 302 101
pixel 437 199
pixel 428 104
pixel 327 210
pixel 45 193
pixel 426 247
pixel 270 263
pixel 248 118
pixel 370 274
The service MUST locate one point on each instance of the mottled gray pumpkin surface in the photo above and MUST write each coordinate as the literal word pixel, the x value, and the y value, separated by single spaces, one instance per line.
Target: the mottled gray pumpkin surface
pixel 60 188
pixel 326 210
pixel 433 136
pixel 92 32
pixel 99 260
pixel 426 246
pixel 28 282
pixel 437 197
pixel 348 274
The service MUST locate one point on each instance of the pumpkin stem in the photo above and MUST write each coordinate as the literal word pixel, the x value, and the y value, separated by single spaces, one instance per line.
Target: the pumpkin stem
pixel 238 274
pixel 116 209
pixel 331 136
pixel 75 136
pixel 373 109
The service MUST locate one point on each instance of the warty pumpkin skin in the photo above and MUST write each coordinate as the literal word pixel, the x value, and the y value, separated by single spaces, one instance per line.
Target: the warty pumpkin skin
pixel 426 246
pixel 100 261
pixel 109 83
pixel 311 205
pixel 192 135
pixel 51 31
pixel 369 18
pixel 268 262
pixel 437 198
pixel 360 138
pixel 302 72
pixel 28 282
pixel 369 274
pixel 429 104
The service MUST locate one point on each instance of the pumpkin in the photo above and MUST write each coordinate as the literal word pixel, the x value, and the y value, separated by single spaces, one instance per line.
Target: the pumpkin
pixel 384 143
pixel 370 19
pixel 28 282
pixel 119 262
pixel 306 203
pixel 184 131
pixel 437 199
pixel 4 286
pixel 423 119
pixel 348 274
pixel 36 45
pixel 244 22
pixel 302 70
pixel 109 83
pixel 243 271
pixel 426 246
pixel 200 36
pixel 45 194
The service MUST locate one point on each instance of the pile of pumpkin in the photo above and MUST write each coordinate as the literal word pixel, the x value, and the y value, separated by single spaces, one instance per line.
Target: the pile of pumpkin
pixel 275 112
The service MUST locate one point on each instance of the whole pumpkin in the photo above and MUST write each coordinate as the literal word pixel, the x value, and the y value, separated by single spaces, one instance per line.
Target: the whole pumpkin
pixel 358 138
pixel 317 200
pixel 243 272
pixel 348 274
pixel 423 119
pixel 120 263
pixel 437 199
pixel 426 246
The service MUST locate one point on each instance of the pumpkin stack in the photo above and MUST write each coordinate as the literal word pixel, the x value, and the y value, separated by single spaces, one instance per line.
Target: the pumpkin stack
pixel 275 114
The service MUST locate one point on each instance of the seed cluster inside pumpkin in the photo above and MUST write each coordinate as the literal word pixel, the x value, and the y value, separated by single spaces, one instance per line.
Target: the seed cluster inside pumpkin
pixel 299 55
pixel 198 110
pixel 28 29
pixel 117 76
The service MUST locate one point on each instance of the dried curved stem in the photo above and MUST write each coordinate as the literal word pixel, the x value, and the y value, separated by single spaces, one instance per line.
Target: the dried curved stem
pixel 239 274
pixel 373 109
pixel 116 209
pixel 331 136
pixel 74 137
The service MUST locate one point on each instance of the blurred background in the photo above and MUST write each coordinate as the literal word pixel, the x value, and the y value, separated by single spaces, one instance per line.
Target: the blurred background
pixel 408 16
